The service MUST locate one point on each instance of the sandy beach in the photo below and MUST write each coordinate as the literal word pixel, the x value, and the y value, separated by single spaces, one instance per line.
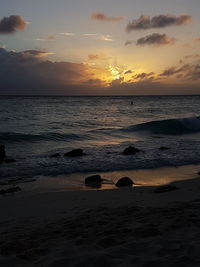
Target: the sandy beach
pixel 123 227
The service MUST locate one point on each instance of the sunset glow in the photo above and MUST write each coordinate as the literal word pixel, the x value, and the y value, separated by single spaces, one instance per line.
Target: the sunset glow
pixel 144 52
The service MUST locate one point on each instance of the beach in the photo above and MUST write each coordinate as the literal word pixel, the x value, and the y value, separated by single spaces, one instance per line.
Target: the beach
pixel 50 216
pixel 123 227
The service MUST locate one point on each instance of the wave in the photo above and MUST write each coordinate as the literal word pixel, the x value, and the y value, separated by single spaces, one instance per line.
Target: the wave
pixel 168 127
pixel 164 127
pixel 20 137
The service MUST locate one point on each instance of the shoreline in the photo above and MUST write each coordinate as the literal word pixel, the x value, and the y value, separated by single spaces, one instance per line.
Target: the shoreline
pixel 75 181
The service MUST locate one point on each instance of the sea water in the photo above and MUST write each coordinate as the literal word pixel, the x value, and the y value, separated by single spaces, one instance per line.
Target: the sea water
pixel 33 128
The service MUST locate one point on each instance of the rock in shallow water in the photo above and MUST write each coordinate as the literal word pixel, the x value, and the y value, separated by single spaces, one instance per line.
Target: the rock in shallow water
pixel 94 179
pixel 130 150
pixel 164 148
pixel 124 182
pixel 74 153
pixel 165 188
pixel 10 190
pixel 56 155
pixel 10 160
pixel 2 153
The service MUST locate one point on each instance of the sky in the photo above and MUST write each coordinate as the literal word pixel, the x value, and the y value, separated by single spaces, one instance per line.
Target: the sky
pixel 99 47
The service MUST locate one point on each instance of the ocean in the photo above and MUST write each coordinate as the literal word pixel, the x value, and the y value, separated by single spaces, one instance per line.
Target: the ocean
pixel 33 128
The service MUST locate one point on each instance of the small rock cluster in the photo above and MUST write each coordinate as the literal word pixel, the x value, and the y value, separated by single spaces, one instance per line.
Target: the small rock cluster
pixel 95 180
pixel 3 157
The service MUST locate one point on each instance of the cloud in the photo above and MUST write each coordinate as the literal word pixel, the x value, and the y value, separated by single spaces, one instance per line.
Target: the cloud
pixel 30 72
pixel 156 39
pixel 149 87
pixel 192 56
pixel 106 38
pixel 97 57
pixel 90 34
pixel 144 76
pixel 12 24
pixel 95 82
pixel 188 72
pixel 161 21
pixel 67 33
pixel 51 38
pixel 105 18
pixel 128 72
pixel 187 45
pixel 128 42
pixel 173 70
pixel 197 39
pixel 40 39
pixel 193 73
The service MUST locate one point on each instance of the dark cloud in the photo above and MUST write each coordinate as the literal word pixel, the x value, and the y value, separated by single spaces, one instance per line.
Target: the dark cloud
pixel 161 21
pixel 128 72
pixel 156 39
pixel 187 72
pixel 193 73
pixel 144 76
pixel 128 43
pixel 173 70
pixel 12 24
pixel 95 82
pixel 106 18
pixel 29 72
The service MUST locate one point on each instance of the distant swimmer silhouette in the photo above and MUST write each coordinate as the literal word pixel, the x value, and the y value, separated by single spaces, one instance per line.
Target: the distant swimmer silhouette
pixel 131 102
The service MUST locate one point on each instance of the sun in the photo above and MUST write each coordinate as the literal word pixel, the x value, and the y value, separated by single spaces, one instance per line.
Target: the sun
pixel 115 72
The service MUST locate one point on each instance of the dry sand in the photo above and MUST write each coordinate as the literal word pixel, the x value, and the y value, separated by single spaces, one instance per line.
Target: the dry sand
pixel 125 227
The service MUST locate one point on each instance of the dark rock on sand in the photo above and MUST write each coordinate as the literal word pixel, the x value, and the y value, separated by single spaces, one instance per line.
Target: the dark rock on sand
pixel 74 153
pixel 94 179
pixel 124 181
pixel 165 188
pixel 130 150
pixel 9 160
pixel 10 190
pixel 56 155
pixel 164 148
pixel 2 153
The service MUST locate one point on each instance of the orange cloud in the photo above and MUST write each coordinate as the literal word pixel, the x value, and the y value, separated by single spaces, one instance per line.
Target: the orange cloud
pixel 105 18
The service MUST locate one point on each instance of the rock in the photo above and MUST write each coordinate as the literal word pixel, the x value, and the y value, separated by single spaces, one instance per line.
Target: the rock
pixel 9 160
pixel 165 188
pixel 94 179
pixel 124 181
pixel 74 153
pixel 130 150
pixel 2 153
pixel 198 173
pixel 164 148
pixel 10 190
pixel 56 155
